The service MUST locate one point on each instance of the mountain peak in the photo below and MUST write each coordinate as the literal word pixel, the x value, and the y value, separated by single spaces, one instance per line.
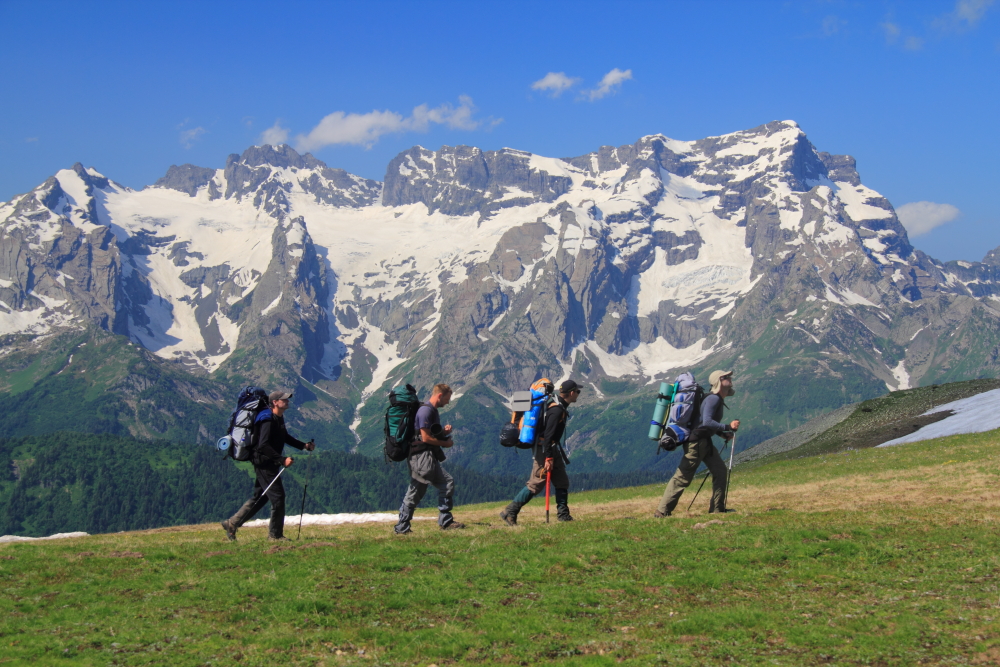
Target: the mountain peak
pixel 283 156
pixel 91 177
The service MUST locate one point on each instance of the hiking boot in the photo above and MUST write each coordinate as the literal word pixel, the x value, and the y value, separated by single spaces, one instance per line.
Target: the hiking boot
pixel 509 513
pixel 402 532
pixel 562 505
pixel 454 525
pixel 232 524
pixel 660 515
pixel 230 530
pixel 279 538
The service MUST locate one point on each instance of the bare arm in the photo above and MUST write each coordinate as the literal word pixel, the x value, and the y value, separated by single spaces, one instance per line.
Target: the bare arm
pixel 428 439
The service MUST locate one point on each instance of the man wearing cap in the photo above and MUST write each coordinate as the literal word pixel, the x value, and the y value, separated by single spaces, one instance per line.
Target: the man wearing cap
pixel 699 448
pixel 269 440
pixel 549 457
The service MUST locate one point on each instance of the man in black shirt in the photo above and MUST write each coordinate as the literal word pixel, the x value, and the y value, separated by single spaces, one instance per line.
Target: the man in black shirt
pixel 549 457
pixel 269 438
pixel 699 449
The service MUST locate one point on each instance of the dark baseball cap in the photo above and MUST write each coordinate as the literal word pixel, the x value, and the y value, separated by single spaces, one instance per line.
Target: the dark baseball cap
pixel 568 386
pixel 278 395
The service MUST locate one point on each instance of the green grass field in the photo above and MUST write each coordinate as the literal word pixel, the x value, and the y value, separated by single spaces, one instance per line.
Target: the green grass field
pixel 874 557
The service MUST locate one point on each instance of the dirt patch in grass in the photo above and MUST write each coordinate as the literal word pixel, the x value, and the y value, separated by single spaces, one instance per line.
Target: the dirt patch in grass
pixel 294 547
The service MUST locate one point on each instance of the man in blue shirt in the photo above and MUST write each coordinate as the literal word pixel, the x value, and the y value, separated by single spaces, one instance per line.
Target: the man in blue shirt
pixel 425 466
pixel 699 448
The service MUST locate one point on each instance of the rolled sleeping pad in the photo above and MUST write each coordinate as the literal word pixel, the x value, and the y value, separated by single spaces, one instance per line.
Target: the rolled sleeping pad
pixel 532 418
pixel 660 411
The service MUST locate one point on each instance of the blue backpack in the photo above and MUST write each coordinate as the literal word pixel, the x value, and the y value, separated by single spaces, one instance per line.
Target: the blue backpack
pixel 684 408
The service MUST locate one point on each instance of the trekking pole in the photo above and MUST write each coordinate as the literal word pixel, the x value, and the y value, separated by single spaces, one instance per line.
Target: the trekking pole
pixel 273 481
pixel 698 491
pixel 548 483
pixel 703 479
pixel 305 490
pixel 729 473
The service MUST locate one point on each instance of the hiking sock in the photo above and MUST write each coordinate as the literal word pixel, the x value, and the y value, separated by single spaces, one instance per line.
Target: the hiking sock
pixel 523 496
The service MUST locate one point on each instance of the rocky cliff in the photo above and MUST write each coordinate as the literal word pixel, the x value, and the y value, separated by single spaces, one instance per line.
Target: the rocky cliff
pixel 487 269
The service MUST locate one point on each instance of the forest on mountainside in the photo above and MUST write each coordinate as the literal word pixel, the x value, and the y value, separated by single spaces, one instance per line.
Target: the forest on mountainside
pixel 65 482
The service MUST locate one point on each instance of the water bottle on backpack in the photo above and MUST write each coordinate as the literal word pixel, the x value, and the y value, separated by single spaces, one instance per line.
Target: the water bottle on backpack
pixel 683 413
pixel 238 442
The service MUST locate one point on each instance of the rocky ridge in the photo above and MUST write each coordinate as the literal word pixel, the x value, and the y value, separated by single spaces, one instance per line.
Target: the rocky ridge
pixel 752 250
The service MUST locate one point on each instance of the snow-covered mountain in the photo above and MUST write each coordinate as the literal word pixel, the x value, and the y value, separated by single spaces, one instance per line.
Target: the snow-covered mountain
pixel 475 267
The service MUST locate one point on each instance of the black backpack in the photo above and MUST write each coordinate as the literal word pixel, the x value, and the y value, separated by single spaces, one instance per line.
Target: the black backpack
pixel 399 417
pixel 250 403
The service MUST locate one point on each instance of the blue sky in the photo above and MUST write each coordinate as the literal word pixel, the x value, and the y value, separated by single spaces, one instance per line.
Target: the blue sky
pixel 911 89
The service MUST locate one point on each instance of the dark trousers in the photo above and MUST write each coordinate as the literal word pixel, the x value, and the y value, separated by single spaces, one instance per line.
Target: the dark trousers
pixel 276 496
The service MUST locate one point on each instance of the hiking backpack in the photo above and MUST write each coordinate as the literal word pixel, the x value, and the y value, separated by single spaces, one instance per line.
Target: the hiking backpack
pixel 250 403
pixel 528 412
pixel 684 407
pixel 399 418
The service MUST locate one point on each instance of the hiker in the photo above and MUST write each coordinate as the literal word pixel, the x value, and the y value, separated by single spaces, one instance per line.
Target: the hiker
pixel 549 457
pixel 699 448
pixel 269 438
pixel 425 466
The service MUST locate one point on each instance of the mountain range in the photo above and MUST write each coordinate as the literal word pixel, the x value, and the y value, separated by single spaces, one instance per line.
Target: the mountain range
pixel 141 312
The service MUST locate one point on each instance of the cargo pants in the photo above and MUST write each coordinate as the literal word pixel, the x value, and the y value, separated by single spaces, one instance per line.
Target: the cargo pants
pixel 696 453
pixel 426 471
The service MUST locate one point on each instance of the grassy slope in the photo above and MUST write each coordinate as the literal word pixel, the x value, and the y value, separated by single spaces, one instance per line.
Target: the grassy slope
pixel 881 419
pixel 880 556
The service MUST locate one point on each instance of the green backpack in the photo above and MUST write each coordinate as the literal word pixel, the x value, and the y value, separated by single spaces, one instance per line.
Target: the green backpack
pixel 399 416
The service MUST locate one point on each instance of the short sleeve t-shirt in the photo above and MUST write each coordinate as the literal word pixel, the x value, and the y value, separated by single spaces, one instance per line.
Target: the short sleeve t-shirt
pixel 427 417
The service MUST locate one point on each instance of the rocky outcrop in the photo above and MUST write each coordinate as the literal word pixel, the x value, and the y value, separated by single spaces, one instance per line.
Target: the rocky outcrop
pixel 751 250
pixel 59 265
pixel 186 178
pixel 464 180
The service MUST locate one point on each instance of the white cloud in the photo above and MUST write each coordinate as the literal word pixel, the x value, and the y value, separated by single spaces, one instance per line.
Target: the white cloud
pixel 921 217
pixel 274 135
pixel 556 83
pixel 609 84
pixel 971 11
pixel 365 129
pixel 832 25
pixel 965 16
pixel 913 43
pixel 189 137
pixel 892 32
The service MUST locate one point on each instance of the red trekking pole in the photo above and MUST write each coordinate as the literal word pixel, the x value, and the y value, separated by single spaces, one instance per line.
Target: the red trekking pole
pixel 548 483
